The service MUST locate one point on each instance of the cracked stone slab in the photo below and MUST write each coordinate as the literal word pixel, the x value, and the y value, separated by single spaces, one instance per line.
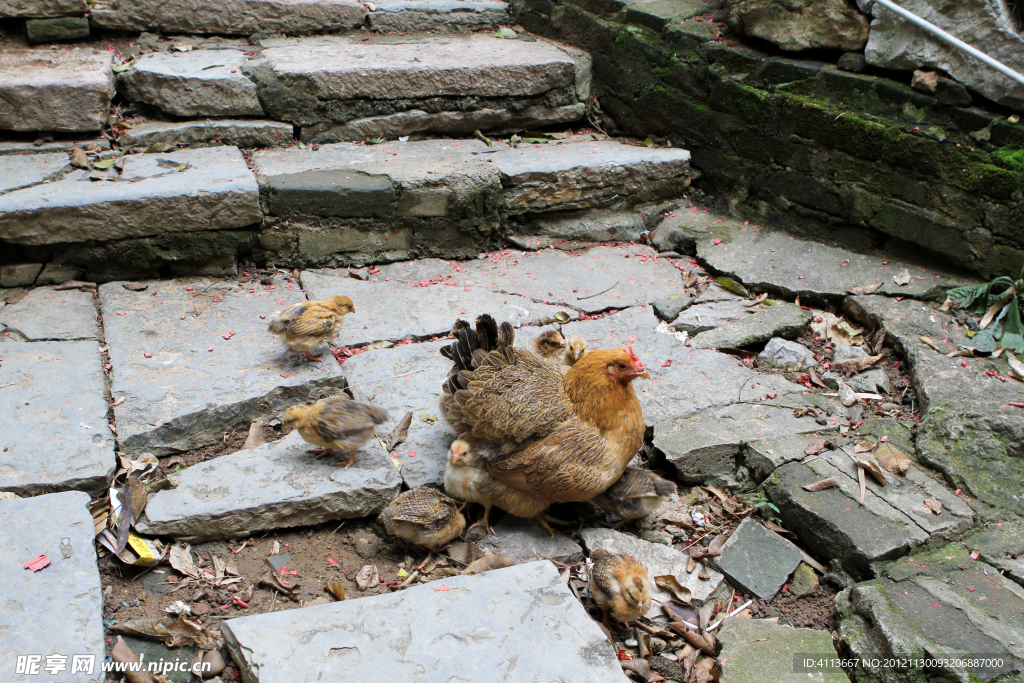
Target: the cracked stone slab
pixel 473 625
pixel 762 456
pixel 781 320
pixel 833 524
pixel 275 486
pixel 195 83
pixel 42 8
pixel 702 317
pixel 757 560
pixel 968 430
pixel 55 434
pixel 517 539
pixel 236 132
pixel 695 379
pixel 57 610
pixel 407 379
pixel 394 311
pixel 25 170
pixel 659 560
pixel 234 17
pixel 12 147
pixel 185 395
pixel 214 191
pixel 755 650
pixel 706 446
pixel 1002 547
pixel 66 91
pixel 48 314
pixel 447 16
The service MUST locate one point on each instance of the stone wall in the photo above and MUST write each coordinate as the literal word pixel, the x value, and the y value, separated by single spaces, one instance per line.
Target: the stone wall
pixel 842 156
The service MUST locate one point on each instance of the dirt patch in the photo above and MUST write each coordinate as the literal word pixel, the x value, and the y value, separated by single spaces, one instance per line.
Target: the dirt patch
pixel 815 610
pixel 231 442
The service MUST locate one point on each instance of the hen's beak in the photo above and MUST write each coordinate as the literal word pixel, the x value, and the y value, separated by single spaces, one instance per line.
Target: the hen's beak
pixel 644 374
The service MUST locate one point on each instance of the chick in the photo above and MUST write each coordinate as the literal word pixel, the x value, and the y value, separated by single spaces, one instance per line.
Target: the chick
pixel 636 493
pixel 621 584
pixel 549 345
pixel 335 423
pixel 424 516
pixel 575 348
pixel 305 326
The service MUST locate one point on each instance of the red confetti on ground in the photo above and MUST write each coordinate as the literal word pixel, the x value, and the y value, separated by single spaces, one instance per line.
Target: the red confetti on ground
pixel 963 363
pixel 716 241
pixel 38 563
pixel 238 602
pixel 148 355
pixel 970 588
pixel 667 364
pixel 229 335
pixel 442 588
pixel 332 560
pixel 189 288
pixel 345 352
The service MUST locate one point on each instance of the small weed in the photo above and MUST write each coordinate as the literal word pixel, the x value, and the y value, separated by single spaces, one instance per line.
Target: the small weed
pixel 999 303
pixel 765 508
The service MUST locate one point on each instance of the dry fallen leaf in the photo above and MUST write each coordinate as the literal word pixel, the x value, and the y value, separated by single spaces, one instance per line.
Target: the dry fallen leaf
pixel 336 589
pixel 934 505
pixel 180 558
pixel 79 159
pixel 821 485
pixel 816 381
pixel 993 310
pixel 903 278
pixel 1016 367
pixel 892 458
pixel 815 448
pixel 691 564
pixel 930 342
pixel 864 446
pixel 718 492
pixel 255 438
pixel 946 304
pixel 866 289
pixel 856 364
pixel 847 395
pixel 487 563
pixel 671 584
pixel 367 577
pixel 398 434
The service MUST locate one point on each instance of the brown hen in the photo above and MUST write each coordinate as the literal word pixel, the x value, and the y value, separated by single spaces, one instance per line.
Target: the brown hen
pixel 335 423
pixel 307 325
pixel 557 434
pixel 619 583
pixel 424 516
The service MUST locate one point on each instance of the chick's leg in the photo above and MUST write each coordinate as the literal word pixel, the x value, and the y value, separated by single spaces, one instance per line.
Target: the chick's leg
pixel 313 356
pixel 321 453
pixel 351 459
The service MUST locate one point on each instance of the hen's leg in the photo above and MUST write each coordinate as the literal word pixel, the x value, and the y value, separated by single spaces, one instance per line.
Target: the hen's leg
pixel 485 523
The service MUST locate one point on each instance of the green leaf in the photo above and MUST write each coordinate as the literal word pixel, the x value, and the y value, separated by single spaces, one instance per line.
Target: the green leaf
pixel 302 145
pixel 1013 334
pixel 984 341
pixel 534 141
pixel 104 163
pixel 731 285
pixel 965 296
pixel 118 68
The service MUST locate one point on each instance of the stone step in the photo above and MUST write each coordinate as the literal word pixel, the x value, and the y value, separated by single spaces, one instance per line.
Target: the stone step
pixel 755 650
pixel 47 90
pixel 298 17
pixel 483 627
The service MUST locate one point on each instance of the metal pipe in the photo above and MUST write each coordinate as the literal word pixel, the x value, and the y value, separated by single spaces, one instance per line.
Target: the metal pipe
pixel 952 40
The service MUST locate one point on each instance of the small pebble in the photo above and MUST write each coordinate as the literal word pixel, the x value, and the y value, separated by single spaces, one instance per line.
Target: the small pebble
pixel 631 642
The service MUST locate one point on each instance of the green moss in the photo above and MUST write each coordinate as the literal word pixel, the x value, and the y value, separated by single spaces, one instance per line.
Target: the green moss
pixel 1010 157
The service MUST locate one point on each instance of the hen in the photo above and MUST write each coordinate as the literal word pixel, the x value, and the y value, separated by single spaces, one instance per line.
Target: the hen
pixel 557 434
pixel 335 423
pixel 619 583
pixel 424 516
pixel 549 344
pixel 636 493
pixel 466 478
pixel 574 350
pixel 305 326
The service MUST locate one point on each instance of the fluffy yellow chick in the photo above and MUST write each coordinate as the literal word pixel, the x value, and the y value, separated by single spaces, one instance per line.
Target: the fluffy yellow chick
pixel 424 516
pixel 574 350
pixel 335 423
pixel 549 344
pixel 620 584
pixel 307 325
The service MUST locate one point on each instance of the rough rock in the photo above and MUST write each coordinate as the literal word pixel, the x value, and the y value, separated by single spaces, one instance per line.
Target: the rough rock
pixel 42 8
pixel 43 145
pixel 762 456
pixel 67 91
pixel 48 314
pixel 968 430
pixel 377 644
pixel 214 191
pixel 236 17
pixel 757 560
pixel 186 396
pixel 56 610
pixel 53 30
pixel 782 353
pixel 447 16
pixel 407 379
pixel 55 434
pixel 757 650
pixel 804 580
pixel 275 486
pixel 658 559
pixel 394 311
pixel 237 132
pixel 1002 547
pixel 936 604
pixel 564 229
pixel 801 25
pixel 782 319
pixel 517 539
pixel 706 447
pixel 895 43
pixel 852 61
pixel 871 380
pixel 54 274
pixel 669 308
pixel 25 170
pixel 702 317
pixel 19 274
pixel 366 544
pixel 833 524
pixel 195 83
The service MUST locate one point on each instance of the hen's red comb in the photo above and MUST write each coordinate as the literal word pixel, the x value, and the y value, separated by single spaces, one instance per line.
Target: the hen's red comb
pixel 636 360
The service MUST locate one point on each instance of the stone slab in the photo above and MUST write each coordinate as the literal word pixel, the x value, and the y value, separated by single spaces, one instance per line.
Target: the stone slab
pixel 26 170
pixel 757 560
pixel 43 145
pixel 701 317
pixel 707 446
pixel 394 311
pixel 46 90
pixel 407 379
pixel 58 29
pixel 517 539
pixel 833 524
pixel 781 320
pixel 186 396
pixel 782 353
pixel 659 560
pixel 757 650
pixel 236 132
pixel 46 314
pixel 19 274
pixel 447 16
pixel 42 8
pixel 478 626
pixel 968 429
pixel 195 83
pixel 274 486
pixel 57 610
pixel 55 434
pixel 762 456
pixel 214 191
pixel 236 17
pixel 1002 546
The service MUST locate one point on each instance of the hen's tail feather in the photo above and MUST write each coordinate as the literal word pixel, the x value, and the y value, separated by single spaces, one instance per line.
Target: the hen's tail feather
pixel 487 332
pixel 506 335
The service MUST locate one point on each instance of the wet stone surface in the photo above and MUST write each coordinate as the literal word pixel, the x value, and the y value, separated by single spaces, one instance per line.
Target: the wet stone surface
pixel 524 540
pixel 48 314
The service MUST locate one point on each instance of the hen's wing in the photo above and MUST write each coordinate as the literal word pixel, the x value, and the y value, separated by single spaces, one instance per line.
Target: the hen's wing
pixel 340 417
pixel 428 510
pixel 573 463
